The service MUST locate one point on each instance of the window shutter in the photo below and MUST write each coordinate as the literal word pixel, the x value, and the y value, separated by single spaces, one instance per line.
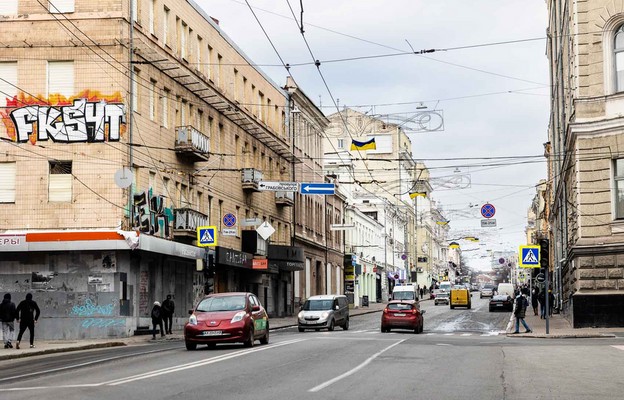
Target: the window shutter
pixel 61 6
pixel 60 189
pixel 61 78
pixel 8 7
pixel 7 182
pixel 8 83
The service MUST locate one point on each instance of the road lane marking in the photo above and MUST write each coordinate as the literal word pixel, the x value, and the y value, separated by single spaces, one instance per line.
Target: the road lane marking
pixel 354 370
pixel 161 371
pixel 619 347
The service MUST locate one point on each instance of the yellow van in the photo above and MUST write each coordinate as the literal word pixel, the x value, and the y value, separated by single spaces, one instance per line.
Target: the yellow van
pixel 460 297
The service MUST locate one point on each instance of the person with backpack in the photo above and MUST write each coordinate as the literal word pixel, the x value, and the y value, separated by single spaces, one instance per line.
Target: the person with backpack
pixel 27 313
pixel 157 320
pixel 520 312
pixel 168 307
pixel 7 316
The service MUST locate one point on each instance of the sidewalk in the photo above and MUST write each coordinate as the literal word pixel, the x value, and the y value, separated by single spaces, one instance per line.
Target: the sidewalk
pixel 59 346
pixel 559 328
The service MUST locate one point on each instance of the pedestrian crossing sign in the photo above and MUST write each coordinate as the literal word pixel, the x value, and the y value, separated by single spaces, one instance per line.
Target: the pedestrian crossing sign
pixel 206 236
pixel 529 257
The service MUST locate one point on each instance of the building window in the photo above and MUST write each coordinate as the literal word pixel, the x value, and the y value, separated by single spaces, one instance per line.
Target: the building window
pixel 7 182
pixel 618 50
pixel 341 143
pixel 8 7
pixel 135 91
pixel 136 11
pixel 60 78
pixel 60 182
pixel 619 188
pixel 61 6
pixel 165 108
pixel 152 100
pixel 8 83
pixel 152 16
pixel 166 26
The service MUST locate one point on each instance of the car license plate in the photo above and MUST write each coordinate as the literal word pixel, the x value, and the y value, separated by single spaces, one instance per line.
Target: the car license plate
pixel 211 333
pixel 499 305
pixel 399 314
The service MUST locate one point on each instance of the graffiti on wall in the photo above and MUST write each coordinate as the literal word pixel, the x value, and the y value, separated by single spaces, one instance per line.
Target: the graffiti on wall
pixel 88 117
pixel 103 323
pixel 150 216
pixel 89 309
pixel 143 298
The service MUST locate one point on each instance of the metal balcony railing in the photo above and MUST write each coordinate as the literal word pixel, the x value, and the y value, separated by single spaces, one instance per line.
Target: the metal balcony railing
pixel 192 143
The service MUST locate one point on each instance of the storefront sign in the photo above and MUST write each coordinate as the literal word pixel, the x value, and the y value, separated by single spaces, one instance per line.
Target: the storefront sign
pixel 233 258
pixel 286 258
pixel 13 243
pixel 260 264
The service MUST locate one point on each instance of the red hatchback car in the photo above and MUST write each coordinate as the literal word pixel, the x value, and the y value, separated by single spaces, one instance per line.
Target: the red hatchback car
pixel 227 318
pixel 402 314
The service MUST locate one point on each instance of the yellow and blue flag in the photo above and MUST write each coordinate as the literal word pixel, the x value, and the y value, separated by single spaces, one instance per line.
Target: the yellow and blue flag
pixel 368 145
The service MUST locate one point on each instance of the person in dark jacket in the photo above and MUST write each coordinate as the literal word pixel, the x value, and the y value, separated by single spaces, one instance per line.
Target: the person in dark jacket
pixel 168 307
pixel 520 312
pixel 157 319
pixel 7 316
pixel 534 301
pixel 27 315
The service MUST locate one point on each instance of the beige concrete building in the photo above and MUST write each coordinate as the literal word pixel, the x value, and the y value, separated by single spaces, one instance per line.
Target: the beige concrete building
pixel 585 48
pixel 126 126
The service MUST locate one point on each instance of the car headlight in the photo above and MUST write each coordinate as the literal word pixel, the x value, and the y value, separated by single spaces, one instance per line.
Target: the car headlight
pixel 192 320
pixel 300 315
pixel 324 315
pixel 238 317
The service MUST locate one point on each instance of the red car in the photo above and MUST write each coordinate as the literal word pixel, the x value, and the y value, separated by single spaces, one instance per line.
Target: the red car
pixel 227 318
pixel 402 314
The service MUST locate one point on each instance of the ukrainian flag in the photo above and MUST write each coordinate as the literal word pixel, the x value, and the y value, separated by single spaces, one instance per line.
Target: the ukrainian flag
pixel 368 145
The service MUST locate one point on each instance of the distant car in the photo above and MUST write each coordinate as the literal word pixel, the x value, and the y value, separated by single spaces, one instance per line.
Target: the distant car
pixel 486 291
pixel 227 318
pixel 501 302
pixel 460 297
pixel 324 311
pixel 441 296
pixel 402 314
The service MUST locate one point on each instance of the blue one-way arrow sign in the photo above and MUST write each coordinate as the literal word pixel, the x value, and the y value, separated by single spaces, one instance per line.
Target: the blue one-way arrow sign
pixel 317 188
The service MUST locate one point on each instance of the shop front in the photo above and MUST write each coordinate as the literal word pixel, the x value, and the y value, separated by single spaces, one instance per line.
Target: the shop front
pixel 285 260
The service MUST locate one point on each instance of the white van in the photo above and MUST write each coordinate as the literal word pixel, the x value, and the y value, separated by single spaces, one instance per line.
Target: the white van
pixel 405 292
pixel 506 288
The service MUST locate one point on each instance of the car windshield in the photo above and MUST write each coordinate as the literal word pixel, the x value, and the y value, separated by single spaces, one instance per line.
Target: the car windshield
pixel 224 303
pixel 318 305
pixel 405 295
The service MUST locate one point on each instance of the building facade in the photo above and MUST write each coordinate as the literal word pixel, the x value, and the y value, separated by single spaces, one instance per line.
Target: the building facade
pixel 126 126
pixel 586 220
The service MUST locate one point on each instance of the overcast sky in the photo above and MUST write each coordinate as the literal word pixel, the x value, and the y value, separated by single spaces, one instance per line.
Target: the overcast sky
pixel 488 75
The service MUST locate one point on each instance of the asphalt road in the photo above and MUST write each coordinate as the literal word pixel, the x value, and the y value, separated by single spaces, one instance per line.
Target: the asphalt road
pixel 461 355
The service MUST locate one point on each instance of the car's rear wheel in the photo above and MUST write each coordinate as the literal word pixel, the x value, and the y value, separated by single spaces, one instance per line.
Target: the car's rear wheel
pixel 346 325
pixel 330 327
pixel 191 346
pixel 265 338
pixel 383 330
pixel 301 329
pixel 250 341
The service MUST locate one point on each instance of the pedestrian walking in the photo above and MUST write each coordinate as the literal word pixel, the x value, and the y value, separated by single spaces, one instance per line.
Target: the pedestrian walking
pixel 422 292
pixel 534 301
pixel 520 312
pixel 541 298
pixel 7 316
pixel 27 313
pixel 551 302
pixel 157 319
pixel 168 307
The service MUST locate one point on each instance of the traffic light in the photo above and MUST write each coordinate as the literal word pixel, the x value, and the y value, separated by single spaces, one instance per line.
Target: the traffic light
pixel 544 253
pixel 209 286
pixel 211 268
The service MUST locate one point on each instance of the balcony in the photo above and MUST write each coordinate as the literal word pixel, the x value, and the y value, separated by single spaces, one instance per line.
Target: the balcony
pixel 192 144
pixel 286 199
pixel 250 179
pixel 186 222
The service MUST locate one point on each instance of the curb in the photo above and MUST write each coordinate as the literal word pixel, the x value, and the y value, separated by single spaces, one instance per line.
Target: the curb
pixel 61 350
pixel 562 335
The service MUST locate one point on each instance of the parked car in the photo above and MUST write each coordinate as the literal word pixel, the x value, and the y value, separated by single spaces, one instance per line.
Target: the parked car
pixel 441 296
pixel 402 314
pixel 325 311
pixel 501 302
pixel 227 318
pixel 486 291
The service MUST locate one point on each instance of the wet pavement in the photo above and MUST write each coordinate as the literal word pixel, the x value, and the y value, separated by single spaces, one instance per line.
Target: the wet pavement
pixel 559 328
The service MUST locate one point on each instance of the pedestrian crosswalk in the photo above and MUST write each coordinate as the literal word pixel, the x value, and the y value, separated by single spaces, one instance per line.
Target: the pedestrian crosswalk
pixel 439 333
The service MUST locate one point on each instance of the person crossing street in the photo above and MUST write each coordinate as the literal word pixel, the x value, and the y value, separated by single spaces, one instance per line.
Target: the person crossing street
pixel 520 312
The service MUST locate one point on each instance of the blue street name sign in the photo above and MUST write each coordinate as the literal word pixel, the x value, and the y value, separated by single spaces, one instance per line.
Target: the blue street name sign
pixel 317 188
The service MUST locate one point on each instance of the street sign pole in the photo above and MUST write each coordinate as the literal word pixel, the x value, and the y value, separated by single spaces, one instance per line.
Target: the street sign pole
pixel 547 314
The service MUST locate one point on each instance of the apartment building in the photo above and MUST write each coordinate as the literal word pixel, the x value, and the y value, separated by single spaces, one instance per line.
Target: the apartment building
pixel 585 203
pixel 126 125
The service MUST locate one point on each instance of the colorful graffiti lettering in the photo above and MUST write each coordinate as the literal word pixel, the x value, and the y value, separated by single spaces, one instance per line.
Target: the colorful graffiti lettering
pixel 90 309
pixel 88 117
pixel 103 323
pixel 150 215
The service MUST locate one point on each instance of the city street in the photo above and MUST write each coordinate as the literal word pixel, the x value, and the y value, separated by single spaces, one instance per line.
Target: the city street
pixel 461 354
